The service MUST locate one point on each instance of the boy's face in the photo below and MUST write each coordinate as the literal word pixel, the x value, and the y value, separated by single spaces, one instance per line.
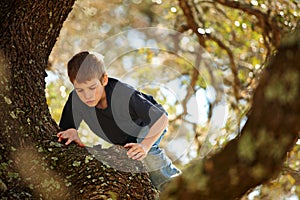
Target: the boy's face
pixel 90 92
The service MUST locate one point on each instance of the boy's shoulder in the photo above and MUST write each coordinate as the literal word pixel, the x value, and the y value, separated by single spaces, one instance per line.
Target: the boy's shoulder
pixel 126 88
pixel 114 83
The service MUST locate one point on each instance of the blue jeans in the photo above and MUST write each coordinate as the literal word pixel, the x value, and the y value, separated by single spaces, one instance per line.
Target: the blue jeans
pixel 158 164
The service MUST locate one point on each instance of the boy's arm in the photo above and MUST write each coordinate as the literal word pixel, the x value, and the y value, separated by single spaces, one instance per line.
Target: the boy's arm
pixel 138 151
pixel 67 125
pixel 67 119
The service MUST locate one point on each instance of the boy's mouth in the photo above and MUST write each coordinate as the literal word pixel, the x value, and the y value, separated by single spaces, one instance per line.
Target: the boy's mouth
pixel 89 102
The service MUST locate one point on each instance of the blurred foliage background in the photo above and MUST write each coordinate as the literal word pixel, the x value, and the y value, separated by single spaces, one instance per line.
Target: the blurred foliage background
pixel 206 90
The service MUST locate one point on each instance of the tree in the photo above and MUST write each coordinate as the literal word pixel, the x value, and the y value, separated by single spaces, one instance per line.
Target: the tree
pixel 33 164
pixel 28 33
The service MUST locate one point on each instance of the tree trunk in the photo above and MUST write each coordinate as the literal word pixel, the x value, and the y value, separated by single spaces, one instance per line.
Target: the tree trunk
pixel 33 164
pixel 258 154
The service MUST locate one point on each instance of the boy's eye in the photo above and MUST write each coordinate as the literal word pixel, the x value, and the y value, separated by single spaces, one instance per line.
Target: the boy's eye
pixel 92 88
pixel 79 90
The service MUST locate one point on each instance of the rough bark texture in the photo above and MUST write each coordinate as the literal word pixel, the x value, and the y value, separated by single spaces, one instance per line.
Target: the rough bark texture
pixel 258 154
pixel 32 164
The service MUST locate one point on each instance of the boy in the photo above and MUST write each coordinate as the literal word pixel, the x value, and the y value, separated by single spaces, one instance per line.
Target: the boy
pixel 117 113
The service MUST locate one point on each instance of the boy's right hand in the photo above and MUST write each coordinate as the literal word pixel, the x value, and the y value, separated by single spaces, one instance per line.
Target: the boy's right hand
pixel 71 135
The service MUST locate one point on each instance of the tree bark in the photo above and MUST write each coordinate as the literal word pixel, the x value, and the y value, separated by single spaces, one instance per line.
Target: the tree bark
pixel 33 165
pixel 258 154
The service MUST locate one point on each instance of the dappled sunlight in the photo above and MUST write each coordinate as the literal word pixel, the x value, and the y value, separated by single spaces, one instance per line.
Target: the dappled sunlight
pixel 43 180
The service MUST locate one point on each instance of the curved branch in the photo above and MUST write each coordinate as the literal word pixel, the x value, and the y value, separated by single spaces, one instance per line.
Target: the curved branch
pixel 266 23
pixel 294 173
pixel 203 37
pixel 233 67
pixel 186 8
pixel 244 162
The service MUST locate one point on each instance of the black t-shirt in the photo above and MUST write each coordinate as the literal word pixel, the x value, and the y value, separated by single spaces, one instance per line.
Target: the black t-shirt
pixel 128 112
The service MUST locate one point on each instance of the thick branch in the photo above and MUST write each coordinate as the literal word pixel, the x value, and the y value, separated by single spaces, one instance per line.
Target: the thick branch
pixel 266 24
pixel 259 153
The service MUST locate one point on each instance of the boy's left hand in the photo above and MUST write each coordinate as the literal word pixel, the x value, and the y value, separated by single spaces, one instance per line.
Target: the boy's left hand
pixel 136 151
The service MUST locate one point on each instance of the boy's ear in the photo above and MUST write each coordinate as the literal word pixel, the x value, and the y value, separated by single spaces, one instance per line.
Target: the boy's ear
pixel 104 79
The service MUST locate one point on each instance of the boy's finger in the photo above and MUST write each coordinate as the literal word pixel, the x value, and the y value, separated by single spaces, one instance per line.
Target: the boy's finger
pixel 142 157
pixel 129 145
pixel 132 150
pixel 81 145
pixel 138 156
pixel 134 153
pixel 68 142
pixel 63 135
pixel 78 141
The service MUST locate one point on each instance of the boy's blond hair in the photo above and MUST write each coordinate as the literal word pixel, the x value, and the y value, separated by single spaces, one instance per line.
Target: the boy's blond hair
pixel 85 66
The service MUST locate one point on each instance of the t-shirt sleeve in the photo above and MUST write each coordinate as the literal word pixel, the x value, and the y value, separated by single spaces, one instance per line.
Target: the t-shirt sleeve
pixel 141 108
pixel 67 120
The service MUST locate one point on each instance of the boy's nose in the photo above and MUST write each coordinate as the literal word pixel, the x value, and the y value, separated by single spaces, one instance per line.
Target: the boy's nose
pixel 88 95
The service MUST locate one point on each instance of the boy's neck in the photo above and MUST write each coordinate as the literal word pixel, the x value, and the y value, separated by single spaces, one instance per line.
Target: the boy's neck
pixel 102 104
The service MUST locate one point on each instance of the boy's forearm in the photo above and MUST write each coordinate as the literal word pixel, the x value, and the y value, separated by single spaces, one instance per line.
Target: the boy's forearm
pixel 155 132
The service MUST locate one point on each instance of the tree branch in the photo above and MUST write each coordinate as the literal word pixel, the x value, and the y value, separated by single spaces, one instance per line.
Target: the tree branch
pixel 203 37
pixel 266 23
pixel 294 173
pixel 186 8
pixel 259 153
